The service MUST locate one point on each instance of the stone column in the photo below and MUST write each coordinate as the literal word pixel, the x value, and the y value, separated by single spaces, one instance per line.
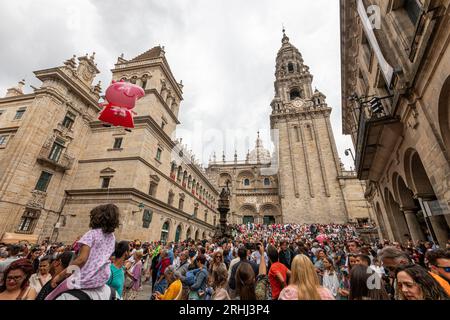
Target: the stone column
pixel 413 225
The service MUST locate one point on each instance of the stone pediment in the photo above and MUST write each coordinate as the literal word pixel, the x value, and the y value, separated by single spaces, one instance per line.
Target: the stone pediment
pixel 154 178
pixel 108 171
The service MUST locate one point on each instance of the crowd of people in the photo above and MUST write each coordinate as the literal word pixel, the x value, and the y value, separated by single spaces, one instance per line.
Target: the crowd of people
pixel 260 262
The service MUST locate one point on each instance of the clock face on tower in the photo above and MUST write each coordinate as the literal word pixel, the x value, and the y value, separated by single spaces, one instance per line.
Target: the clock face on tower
pixel 298 103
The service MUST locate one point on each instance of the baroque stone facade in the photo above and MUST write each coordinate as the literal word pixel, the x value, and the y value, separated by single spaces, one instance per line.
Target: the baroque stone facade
pixel 303 181
pixel 58 161
pixel 398 51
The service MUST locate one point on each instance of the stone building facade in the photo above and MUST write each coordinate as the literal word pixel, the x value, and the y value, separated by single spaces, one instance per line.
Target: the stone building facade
pixel 58 161
pixel 303 181
pixel 254 193
pixel 398 51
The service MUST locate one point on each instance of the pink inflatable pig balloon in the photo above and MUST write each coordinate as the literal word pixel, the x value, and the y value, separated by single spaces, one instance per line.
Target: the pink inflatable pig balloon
pixel 121 99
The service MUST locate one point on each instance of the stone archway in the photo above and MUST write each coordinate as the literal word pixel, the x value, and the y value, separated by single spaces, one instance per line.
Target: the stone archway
pixel 381 222
pixel 248 213
pixel 420 184
pixel 178 233
pixel 189 233
pixel 269 214
pixel 165 232
pixel 398 223
pixel 410 208
pixel 196 235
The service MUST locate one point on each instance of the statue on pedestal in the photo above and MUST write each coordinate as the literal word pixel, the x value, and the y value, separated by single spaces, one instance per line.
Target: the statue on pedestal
pixel 223 231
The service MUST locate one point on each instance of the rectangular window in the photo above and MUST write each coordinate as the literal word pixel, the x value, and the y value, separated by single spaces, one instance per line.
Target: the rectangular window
pixel 181 204
pixel 413 9
pixel 105 182
pixel 19 114
pixel 3 140
pixel 28 221
pixel 56 151
pixel 43 182
pixel 69 120
pixel 158 154
pixel 152 190
pixel 118 143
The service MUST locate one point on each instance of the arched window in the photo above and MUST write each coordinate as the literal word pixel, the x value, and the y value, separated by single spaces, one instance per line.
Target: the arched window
pixel 181 202
pixel 178 234
pixel 294 94
pixel 196 210
pixel 188 234
pixel 133 80
pixel 144 82
pixel 173 170
pixel 185 175
pixel 165 232
pixel 196 235
pixel 180 172
pixel 266 181
pixel 246 182
pixel 291 67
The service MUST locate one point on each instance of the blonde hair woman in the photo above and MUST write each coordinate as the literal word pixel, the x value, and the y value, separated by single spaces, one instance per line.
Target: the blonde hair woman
pixel 304 283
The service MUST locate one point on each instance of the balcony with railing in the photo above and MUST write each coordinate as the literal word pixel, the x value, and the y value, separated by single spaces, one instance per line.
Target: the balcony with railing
pixel 377 136
pixel 59 162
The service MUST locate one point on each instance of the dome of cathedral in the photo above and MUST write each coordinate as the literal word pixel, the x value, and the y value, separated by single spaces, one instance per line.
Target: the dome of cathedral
pixel 260 154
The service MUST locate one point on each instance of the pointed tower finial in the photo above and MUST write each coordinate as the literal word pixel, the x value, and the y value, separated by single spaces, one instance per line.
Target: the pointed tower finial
pixel 285 38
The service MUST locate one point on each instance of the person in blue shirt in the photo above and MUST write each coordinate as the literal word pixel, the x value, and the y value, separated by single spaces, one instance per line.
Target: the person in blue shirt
pixel 117 278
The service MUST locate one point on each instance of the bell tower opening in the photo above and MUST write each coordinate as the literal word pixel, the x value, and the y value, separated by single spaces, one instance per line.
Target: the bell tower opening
pixel 294 94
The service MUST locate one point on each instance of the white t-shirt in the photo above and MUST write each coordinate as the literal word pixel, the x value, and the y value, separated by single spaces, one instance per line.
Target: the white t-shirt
pixel 102 293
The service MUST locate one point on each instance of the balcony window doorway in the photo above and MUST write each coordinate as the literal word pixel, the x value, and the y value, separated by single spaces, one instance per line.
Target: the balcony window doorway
pixel 56 151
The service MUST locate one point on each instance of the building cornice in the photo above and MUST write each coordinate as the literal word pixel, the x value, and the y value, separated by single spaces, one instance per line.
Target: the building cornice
pixel 139 194
pixel 9 129
pixel 148 164
pixel 80 90
pixel 22 97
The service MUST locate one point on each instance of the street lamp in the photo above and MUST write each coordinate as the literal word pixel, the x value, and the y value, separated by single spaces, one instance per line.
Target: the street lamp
pixel 141 207
pixel 350 152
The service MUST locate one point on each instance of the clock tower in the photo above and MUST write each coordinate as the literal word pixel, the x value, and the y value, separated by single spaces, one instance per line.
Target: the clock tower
pixel 309 165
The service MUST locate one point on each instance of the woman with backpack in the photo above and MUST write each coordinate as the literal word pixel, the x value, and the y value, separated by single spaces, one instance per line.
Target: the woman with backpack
pixel 197 290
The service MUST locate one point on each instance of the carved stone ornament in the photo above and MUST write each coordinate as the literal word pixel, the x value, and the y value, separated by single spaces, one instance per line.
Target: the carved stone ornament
pixel 37 199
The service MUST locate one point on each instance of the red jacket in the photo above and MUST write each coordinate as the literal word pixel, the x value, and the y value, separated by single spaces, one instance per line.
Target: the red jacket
pixel 162 265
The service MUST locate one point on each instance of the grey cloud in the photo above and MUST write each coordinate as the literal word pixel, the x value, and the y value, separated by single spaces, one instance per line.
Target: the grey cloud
pixel 224 51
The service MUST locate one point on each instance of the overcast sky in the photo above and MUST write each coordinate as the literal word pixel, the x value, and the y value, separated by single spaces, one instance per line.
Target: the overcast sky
pixel 224 51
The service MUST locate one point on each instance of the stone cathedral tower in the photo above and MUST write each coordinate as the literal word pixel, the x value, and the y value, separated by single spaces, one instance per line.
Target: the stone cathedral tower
pixel 309 166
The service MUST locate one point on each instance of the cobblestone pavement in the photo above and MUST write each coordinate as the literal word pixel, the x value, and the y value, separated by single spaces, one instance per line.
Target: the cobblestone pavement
pixel 145 292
